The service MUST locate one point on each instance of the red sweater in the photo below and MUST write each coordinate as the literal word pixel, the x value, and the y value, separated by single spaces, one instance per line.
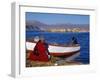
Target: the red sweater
pixel 40 52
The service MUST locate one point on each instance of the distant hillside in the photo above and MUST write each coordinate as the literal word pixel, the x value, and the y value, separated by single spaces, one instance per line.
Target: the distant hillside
pixel 34 25
pixel 39 26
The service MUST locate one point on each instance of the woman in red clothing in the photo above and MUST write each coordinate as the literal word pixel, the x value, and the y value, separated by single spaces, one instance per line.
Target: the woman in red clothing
pixel 40 52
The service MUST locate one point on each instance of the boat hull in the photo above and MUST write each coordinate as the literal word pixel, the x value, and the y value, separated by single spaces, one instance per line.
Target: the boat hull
pixel 64 55
pixel 58 51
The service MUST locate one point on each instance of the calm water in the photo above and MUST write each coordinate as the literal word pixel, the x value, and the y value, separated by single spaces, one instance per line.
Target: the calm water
pixel 65 38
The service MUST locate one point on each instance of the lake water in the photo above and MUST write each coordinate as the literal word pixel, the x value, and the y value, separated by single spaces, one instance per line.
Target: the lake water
pixel 65 38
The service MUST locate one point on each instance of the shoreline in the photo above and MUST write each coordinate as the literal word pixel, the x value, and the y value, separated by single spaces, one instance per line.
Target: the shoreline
pixel 45 64
pixel 54 61
pixel 58 32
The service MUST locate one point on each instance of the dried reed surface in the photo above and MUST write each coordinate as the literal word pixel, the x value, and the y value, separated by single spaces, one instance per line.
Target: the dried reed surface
pixel 54 61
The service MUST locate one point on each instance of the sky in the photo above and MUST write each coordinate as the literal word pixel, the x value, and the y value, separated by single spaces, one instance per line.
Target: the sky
pixel 51 18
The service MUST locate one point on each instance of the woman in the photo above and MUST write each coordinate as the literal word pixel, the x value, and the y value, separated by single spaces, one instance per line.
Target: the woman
pixel 40 52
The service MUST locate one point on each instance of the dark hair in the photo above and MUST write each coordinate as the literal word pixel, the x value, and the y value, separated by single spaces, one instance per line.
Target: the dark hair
pixel 73 38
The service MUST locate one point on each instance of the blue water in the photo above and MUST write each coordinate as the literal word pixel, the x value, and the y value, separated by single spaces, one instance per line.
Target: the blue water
pixel 65 38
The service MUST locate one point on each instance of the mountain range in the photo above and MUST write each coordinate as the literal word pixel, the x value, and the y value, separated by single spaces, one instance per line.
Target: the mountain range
pixel 40 26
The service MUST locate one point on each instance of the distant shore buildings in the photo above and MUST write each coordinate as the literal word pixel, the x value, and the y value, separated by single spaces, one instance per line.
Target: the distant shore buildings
pixel 67 30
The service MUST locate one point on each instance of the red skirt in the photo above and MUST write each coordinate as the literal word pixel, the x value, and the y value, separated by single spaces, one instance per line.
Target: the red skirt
pixel 41 57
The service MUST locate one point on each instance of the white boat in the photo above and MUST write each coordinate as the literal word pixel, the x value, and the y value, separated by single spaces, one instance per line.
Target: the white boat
pixel 57 50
